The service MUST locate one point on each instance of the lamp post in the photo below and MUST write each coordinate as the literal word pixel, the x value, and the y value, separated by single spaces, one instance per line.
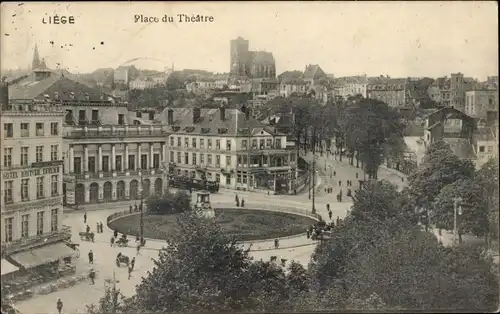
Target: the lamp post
pixel 141 222
pixel 313 209
pixel 457 208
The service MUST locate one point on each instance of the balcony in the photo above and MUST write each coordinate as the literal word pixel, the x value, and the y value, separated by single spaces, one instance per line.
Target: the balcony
pixel 24 244
pixel 132 131
pixel 55 200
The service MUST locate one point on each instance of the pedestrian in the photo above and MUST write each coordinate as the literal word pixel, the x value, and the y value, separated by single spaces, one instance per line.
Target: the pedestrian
pixel 356 175
pixel 115 234
pixel 340 182
pixel 276 243
pixel 91 257
pixel 330 214
pixel 338 220
pixel 112 241
pixel 138 249
pixel 102 227
pixel 59 306
pixel 85 218
pixel 328 207
pixel 242 203
pixel 97 227
pixel 308 233
pixel 92 276
pixel 133 263
pixel 130 208
pixel 88 229
pixel 129 271
pixel 136 208
pixel 334 173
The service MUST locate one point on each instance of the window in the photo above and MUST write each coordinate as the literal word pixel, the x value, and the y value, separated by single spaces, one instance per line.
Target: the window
pixel 8 191
pixel 228 144
pixel 39 154
pixel 254 143
pixel 54 219
pixel 144 161
pixel 269 142
pixel 172 157
pixel 156 161
pixel 7 158
pixel 228 161
pixel 277 143
pixel 244 144
pixel 9 224
pixel 172 141
pixel 121 119
pixel 24 156
pixel 54 185
pixel 25 130
pixel 179 158
pixel 238 178
pixel 194 158
pixel 25 190
pixel 217 160
pixel 40 187
pixel 54 128
pixel 481 149
pixel 105 163
pixel 95 116
pixel 39 223
pixel 179 142
pixel 118 163
pixel 91 164
pixel 217 177
pixel 39 129
pixel 77 162
pixel 54 152
pixel 82 116
pixel 186 142
pixel 193 142
pixel 186 158
pixel 202 159
pixel 228 180
pixel 202 143
pixel 209 143
pixel 25 220
pixel 209 159
pixel 151 116
pixel 8 130
pixel 217 144
pixel 131 162
pixel 138 114
pixel 490 149
pixel 244 179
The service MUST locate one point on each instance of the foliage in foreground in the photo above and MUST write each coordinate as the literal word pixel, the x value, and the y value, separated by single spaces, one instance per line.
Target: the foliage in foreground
pixel 169 203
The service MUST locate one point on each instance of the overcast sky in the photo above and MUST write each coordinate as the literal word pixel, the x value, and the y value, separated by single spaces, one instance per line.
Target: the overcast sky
pixel 345 38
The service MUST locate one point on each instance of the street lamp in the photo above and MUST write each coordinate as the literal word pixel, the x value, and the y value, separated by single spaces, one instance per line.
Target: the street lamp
pixel 141 222
pixel 457 208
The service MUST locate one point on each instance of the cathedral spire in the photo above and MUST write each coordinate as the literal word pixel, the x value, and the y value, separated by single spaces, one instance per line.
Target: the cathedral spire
pixel 36 58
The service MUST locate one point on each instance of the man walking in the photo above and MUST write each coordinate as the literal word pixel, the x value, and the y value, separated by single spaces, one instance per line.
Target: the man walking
pixel 276 243
pixel 330 214
pixel 129 271
pixel 92 276
pixel 91 257
pixel 85 218
pixel 138 248
pixel 59 306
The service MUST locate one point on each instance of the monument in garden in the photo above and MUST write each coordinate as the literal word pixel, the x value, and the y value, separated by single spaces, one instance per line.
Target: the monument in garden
pixel 203 203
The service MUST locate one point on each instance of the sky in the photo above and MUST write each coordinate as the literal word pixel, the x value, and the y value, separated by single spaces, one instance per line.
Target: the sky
pixel 400 39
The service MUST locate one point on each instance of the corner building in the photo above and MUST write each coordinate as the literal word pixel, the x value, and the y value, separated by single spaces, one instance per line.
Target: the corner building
pixel 32 233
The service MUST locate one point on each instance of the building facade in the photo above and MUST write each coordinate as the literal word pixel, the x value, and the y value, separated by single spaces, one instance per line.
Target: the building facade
pixel 32 183
pixel 391 91
pixel 479 102
pixel 230 147
pixel 252 64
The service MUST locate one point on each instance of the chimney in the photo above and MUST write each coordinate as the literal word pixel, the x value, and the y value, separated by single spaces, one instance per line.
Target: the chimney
pixel 222 113
pixel 4 94
pixel 170 116
pixel 71 95
pixel 196 114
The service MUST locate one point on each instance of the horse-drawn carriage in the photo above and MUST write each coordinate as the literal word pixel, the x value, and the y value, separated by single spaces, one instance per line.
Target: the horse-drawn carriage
pixel 122 259
pixel 122 241
pixel 87 236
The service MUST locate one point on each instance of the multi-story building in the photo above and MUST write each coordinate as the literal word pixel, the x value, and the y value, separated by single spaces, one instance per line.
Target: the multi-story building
pixel 451 91
pixel 252 64
pixel 230 147
pixel 393 92
pixel 481 103
pixel 485 144
pixel 351 86
pixel 291 86
pixel 31 203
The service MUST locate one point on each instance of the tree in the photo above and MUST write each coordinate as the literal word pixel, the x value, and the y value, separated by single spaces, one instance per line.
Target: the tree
pixel 474 214
pixel 169 203
pixel 487 177
pixel 439 168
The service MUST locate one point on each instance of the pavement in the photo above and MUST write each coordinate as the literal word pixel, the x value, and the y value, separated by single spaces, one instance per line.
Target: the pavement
pixel 296 248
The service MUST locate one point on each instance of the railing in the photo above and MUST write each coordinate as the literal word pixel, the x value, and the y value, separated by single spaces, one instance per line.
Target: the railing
pixel 54 236
pixel 32 108
pixel 113 132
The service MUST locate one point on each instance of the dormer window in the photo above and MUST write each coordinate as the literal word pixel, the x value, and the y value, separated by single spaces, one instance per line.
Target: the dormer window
pixel 176 128
pixel 189 129
pixel 205 130
pixel 222 130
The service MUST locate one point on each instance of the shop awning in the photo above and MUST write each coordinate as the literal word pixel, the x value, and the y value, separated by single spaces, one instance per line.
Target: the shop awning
pixel 7 267
pixel 42 255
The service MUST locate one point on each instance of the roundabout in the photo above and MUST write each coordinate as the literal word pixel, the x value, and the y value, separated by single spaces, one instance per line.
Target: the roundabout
pixel 242 223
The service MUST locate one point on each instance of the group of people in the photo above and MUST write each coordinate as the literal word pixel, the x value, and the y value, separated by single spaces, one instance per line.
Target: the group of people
pixel 318 230
pixel 237 200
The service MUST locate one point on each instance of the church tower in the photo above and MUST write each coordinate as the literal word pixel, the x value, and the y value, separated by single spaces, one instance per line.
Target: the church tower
pixel 36 59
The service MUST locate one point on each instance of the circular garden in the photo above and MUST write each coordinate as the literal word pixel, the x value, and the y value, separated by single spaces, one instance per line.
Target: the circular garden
pixel 243 224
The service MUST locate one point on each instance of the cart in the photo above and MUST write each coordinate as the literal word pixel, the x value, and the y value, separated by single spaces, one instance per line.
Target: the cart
pixel 122 242
pixel 87 236
pixel 122 259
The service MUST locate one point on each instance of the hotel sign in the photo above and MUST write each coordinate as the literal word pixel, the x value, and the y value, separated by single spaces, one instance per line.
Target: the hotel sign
pixel 29 173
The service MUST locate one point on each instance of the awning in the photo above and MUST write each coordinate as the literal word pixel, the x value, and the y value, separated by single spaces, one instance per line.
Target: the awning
pixel 43 255
pixel 7 267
